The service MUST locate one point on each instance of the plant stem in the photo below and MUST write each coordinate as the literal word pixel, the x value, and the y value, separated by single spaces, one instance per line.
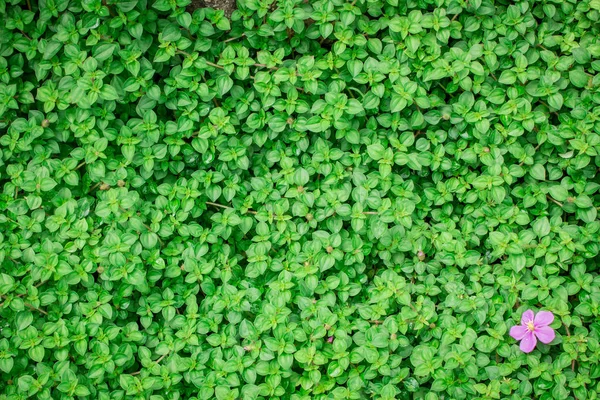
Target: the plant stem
pixel 31 307
pixel 157 361
pixel 214 65
pixel 24 34
pixel 217 204
pixel 554 201
pixel 234 38
pixel 35 308
pixel 94 187
pixel 110 11
pixel 224 206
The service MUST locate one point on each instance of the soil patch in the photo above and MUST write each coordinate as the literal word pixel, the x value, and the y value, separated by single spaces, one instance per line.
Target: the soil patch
pixel 226 5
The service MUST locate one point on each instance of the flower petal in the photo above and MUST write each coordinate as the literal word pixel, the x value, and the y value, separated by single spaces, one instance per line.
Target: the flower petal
pixel 518 331
pixel 527 317
pixel 545 334
pixel 528 342
pixel 543 318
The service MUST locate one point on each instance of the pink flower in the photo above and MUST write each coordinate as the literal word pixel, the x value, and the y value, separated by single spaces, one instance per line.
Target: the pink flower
pixel 330 339
pixel 532 328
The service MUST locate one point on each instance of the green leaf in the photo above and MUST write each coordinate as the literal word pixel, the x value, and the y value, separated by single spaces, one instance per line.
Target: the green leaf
pixel 507 77
pixel 578 78
pixel 556 101
pixel 36 353
pixel 224 84
pixel 171 33
pixel 541 227
pixel 538 172
pixel 558 192
pixel 376 151
pixel 104 51
pixel 149 239
pixel 6 365
pixel 51 49
pixel 108 92
pixel 47 184
pixel 581 55
pixel 23 320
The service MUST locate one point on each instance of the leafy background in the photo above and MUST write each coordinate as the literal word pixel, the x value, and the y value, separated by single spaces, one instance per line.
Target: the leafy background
pixel 322 199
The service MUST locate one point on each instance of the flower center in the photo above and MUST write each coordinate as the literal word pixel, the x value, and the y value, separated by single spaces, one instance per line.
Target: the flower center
pixel 530 326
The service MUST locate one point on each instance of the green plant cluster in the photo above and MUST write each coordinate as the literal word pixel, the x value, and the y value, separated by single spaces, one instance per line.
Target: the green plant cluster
pixel 311 200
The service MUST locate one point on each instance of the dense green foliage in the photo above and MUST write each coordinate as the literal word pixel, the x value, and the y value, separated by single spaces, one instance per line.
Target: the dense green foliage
pixel 312 200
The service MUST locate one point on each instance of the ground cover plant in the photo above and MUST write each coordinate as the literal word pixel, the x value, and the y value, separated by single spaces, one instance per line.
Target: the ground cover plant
pixel 310 200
